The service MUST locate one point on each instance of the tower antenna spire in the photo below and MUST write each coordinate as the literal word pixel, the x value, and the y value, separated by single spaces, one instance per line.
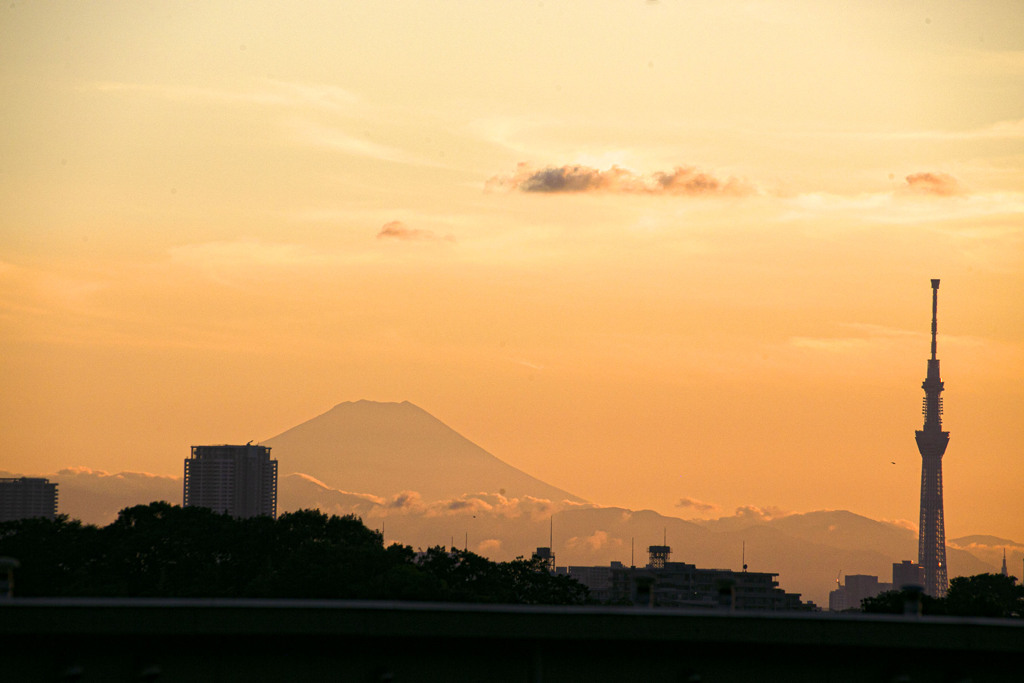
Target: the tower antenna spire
pixel 935 315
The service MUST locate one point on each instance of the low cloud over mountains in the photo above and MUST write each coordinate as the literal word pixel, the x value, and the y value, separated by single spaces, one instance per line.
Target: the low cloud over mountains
pixel 806 550
pixel 422 484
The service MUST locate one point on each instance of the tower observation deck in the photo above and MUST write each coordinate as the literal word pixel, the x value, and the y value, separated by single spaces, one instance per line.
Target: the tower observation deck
pixel 931 443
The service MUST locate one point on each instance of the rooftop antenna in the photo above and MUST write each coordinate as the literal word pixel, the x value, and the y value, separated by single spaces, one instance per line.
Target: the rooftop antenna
pixel 744 556
pixel 632 561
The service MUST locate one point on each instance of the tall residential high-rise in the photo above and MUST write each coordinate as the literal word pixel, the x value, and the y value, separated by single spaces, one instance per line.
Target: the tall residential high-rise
pixel 238 480
pixel 25 497
pixel 932 442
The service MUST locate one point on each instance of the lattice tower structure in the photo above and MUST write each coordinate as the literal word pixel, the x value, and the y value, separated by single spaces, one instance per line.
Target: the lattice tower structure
pixel 931 443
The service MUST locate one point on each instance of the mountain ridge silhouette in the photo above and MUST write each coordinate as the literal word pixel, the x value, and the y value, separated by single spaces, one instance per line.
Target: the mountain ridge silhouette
pixel 386 448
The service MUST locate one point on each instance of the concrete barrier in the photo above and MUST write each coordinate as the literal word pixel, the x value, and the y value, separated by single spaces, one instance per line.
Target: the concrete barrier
pixel 275 640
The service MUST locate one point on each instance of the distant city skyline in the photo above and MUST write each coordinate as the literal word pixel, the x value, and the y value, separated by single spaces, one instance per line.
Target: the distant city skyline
pixel 662 256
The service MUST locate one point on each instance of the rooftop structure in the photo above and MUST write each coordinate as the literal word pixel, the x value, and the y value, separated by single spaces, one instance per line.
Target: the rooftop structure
pixel 658 556
pixel 547 556
pixel 678 584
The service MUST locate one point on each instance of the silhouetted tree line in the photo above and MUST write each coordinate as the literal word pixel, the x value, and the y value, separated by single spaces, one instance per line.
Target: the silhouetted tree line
pixel 981 595
pixel 163 550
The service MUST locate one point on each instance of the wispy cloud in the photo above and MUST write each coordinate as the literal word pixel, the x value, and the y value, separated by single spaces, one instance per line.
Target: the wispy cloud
pixel 856 337
pixel 368 497
pixel 986 543
pixel 407 501
pixel 831 344
pixel 922 201
pixel 337 138
pixel 315 114
pixel 680 181
pixel 400 231
pixel 902 523
pixel 36 291
pixel 95 496
pixel 1000 130
pixel 764 514
pixel 698 505
pixel 266 92
pixel 936 184
pixel 489 546
pixel 495 504
pixel 234 263
pixel 90 473
pixel 992 549
pixel 863 336
pixel 596 541
pixel 1009 129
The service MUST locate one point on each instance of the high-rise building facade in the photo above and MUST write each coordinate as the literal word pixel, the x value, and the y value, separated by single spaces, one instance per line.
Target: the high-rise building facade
pixel 24 497
pixel 238 480
pixel 907 573
pixel 932 442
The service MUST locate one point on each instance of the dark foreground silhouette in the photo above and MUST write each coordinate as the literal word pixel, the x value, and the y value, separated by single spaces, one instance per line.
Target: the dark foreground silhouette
pixel 981 595
pixel 163 550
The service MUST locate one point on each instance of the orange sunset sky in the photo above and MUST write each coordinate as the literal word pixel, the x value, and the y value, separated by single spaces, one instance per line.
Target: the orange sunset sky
pixel 666 255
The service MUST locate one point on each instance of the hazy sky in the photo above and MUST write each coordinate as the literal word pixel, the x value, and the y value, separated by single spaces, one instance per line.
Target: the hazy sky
pixel 649 252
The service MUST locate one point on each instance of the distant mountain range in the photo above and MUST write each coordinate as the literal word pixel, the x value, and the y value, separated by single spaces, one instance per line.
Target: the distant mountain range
pixel 405 472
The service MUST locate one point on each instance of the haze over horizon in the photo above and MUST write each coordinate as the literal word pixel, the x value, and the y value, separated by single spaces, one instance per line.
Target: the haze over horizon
pixel 422 484
pixel 668 256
